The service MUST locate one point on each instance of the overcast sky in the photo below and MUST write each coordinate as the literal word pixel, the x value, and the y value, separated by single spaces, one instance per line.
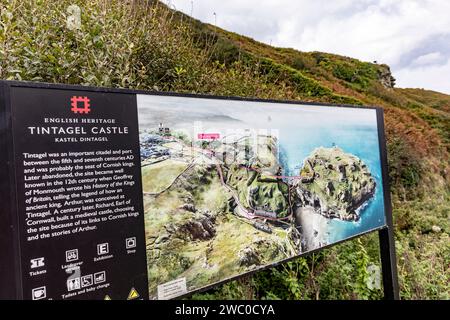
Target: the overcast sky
pixel 412 36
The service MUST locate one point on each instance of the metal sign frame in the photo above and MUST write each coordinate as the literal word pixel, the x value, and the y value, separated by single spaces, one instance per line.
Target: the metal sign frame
pixel 10 278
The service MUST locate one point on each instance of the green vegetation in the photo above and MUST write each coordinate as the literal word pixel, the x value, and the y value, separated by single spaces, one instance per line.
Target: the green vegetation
pixel 191 235
pixel 260 193
pixel 260 190
pixel 139 44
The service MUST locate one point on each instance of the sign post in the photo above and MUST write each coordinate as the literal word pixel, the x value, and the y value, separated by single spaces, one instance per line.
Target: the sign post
pixel 127 194
pixel 386 235
pixel 388 263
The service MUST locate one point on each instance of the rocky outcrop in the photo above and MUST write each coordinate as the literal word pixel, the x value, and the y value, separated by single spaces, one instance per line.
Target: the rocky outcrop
pixel 189 207
pixel 338 184
pixel 201 228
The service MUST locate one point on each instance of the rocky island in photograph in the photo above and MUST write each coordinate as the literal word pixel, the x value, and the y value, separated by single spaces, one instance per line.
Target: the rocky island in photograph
pixel 335 183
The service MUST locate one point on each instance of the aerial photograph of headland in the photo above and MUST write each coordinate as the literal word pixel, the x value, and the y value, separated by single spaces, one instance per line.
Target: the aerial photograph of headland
pixel 232 186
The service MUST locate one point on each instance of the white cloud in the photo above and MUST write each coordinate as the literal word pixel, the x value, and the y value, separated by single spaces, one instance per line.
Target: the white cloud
pixel 438 75
pixel 396 32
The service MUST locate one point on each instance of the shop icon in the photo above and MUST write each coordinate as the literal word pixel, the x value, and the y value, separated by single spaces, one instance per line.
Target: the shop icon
pixel 130 243
pixel 39 293
pixel 72 255
pixel 99 277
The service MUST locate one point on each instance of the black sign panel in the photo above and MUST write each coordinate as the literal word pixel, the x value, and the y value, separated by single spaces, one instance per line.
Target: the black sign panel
pixel 80 215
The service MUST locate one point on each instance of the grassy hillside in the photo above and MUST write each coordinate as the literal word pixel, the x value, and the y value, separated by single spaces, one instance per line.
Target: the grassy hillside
pixel 142 44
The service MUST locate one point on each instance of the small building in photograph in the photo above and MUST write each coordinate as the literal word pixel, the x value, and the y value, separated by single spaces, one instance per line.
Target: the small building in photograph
pixel 163 130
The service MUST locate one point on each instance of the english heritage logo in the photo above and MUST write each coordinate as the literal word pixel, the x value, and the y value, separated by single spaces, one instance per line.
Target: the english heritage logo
pixel 86 105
